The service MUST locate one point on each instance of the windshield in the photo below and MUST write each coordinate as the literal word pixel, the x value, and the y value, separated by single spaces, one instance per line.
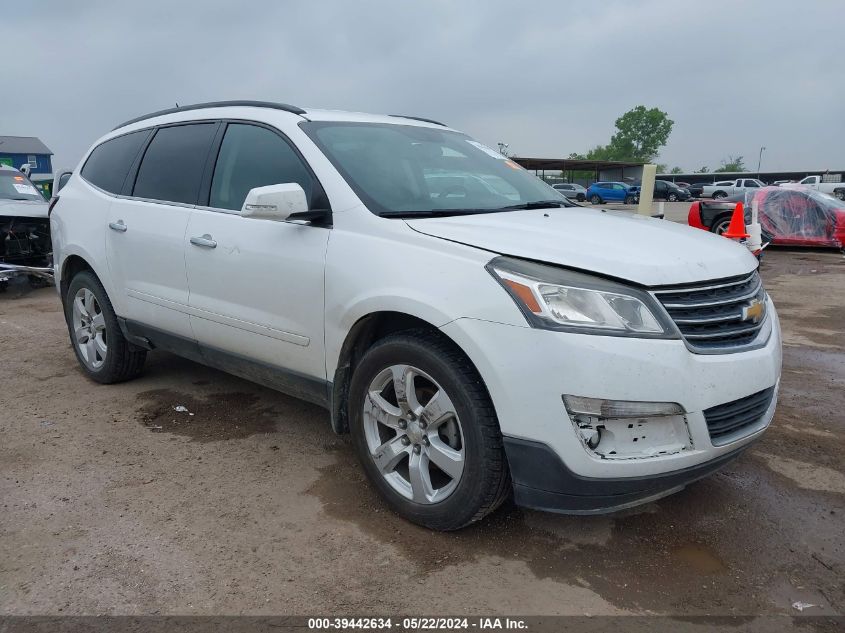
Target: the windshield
pixel 15 186
pixel 405 170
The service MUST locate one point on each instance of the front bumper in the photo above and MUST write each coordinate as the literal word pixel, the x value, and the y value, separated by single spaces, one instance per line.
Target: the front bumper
pixel 8 271
pixel 527 371
pixel 541 481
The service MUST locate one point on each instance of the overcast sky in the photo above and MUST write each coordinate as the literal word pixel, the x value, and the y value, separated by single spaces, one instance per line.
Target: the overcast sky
pixel 549 78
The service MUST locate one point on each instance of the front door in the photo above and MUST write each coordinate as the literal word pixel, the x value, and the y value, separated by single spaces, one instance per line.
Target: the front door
pixel 256 286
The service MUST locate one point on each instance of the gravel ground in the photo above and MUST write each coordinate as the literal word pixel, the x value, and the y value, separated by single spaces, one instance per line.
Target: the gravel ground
pixel 115 503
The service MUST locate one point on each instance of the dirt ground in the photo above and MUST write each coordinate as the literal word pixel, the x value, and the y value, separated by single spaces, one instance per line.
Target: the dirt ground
pixel 115 503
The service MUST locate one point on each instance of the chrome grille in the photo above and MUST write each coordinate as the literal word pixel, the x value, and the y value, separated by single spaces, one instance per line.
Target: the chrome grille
pixel 712 315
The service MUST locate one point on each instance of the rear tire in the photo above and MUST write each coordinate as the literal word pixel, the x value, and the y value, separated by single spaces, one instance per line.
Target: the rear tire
pixel 719 194
pixel 594 199
pixel 840 193
pixel 98 342
pixel 445 418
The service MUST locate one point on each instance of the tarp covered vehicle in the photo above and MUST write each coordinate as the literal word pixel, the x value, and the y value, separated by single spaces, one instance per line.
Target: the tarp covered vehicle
pixel 798 217
pixel 25 245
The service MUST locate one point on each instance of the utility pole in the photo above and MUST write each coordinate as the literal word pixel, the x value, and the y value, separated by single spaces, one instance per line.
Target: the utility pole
pixel 759 160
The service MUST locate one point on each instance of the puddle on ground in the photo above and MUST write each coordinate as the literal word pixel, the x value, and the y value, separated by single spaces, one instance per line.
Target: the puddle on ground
pixel 222 416
pixel 699 558
pixel 680 553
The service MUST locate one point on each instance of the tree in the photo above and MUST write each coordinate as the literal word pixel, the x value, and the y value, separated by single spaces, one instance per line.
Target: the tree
pixel 676 170
pixel 732 163
pixel 703 170
pixel 662 168
pixel 640 134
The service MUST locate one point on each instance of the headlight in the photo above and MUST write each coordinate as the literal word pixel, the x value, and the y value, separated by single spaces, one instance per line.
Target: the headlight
pixel 558 299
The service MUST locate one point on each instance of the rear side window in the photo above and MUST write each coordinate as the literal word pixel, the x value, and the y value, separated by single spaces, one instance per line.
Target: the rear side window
pixel 109 163
pixel 172 167
pixel 62 181
pixel 252 156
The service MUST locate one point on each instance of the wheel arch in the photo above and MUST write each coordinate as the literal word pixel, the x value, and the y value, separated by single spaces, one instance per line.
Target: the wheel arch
pixel 366 331
pixel 71 266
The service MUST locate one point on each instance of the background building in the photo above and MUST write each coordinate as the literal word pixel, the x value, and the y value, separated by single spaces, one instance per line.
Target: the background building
pixel 16 151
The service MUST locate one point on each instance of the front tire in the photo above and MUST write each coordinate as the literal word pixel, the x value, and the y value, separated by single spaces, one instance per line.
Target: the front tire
pixel 426 432
pixel 100 347
pixel 672 197
pixel 840 193
pixel 721 224
pixel 595 199
pixel 580 197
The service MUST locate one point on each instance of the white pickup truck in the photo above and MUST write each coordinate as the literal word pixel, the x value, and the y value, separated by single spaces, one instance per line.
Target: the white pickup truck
pixel 725 188
pixel 816 182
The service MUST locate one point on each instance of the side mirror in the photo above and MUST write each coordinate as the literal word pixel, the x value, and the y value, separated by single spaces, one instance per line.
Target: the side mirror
pixel 275 202
pixel 26 169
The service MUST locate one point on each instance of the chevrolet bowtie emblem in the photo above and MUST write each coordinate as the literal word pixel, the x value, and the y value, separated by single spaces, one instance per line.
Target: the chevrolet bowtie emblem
pixel 754 311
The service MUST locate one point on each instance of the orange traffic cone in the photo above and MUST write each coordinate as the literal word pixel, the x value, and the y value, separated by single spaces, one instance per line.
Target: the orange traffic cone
pixel 736 229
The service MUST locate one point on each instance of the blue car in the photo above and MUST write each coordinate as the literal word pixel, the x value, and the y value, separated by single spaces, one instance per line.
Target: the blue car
pixel 600 192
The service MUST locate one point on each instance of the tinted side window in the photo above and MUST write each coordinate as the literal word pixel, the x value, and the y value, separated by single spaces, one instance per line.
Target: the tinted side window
pixel 109 163
pixel 252 156
pixel 171 169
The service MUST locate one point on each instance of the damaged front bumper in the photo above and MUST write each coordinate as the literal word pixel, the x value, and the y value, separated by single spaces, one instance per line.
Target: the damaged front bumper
pixel 26 249
pixel 9 271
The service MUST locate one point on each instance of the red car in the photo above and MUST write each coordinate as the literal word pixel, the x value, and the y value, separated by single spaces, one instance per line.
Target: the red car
pixel 799 217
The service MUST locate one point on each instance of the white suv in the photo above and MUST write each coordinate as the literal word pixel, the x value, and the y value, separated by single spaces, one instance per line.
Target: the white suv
pixel 475 333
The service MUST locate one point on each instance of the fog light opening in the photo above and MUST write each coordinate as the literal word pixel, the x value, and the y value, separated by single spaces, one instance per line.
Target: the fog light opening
pixel 659 429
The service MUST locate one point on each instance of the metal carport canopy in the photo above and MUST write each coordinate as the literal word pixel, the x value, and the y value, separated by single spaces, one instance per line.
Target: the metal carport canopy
pixel 572 164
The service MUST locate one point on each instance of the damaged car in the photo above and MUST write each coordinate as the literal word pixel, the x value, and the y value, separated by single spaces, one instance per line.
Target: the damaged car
pixel 25 244
pixel 477 334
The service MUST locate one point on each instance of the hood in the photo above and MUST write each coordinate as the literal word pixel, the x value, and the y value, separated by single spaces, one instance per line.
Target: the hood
pixel 636 248
pixel 23 208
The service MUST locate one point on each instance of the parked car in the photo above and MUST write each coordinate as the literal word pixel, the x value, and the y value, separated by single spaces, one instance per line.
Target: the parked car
pixel 666 190
pixel 726 188
pixel 601 192
pixel 800 217
pixel 25 245
pixel 572 191
pixel 471 344
pixel 696 188
pixel 836 189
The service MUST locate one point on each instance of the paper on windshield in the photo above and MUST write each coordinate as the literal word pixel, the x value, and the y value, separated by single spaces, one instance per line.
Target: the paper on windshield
pixel 25 189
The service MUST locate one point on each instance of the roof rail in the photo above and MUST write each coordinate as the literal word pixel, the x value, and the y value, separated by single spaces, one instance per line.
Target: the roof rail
pixel 418 118
pixel 215 104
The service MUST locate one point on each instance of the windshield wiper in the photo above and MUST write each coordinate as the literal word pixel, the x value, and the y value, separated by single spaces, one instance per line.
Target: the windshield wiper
pixel 538 204
pixel 439 213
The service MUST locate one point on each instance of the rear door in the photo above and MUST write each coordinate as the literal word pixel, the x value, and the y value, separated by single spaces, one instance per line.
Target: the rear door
pixel 145 242
pixel 256 286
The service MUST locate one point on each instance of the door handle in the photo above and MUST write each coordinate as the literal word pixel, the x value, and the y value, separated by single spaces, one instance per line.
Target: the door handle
pixel 118 226
pixel 205 241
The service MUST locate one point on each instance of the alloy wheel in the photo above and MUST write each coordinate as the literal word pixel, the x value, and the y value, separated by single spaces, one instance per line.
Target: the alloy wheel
pixel 413 434
pixel 722 226
pixel 89 329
